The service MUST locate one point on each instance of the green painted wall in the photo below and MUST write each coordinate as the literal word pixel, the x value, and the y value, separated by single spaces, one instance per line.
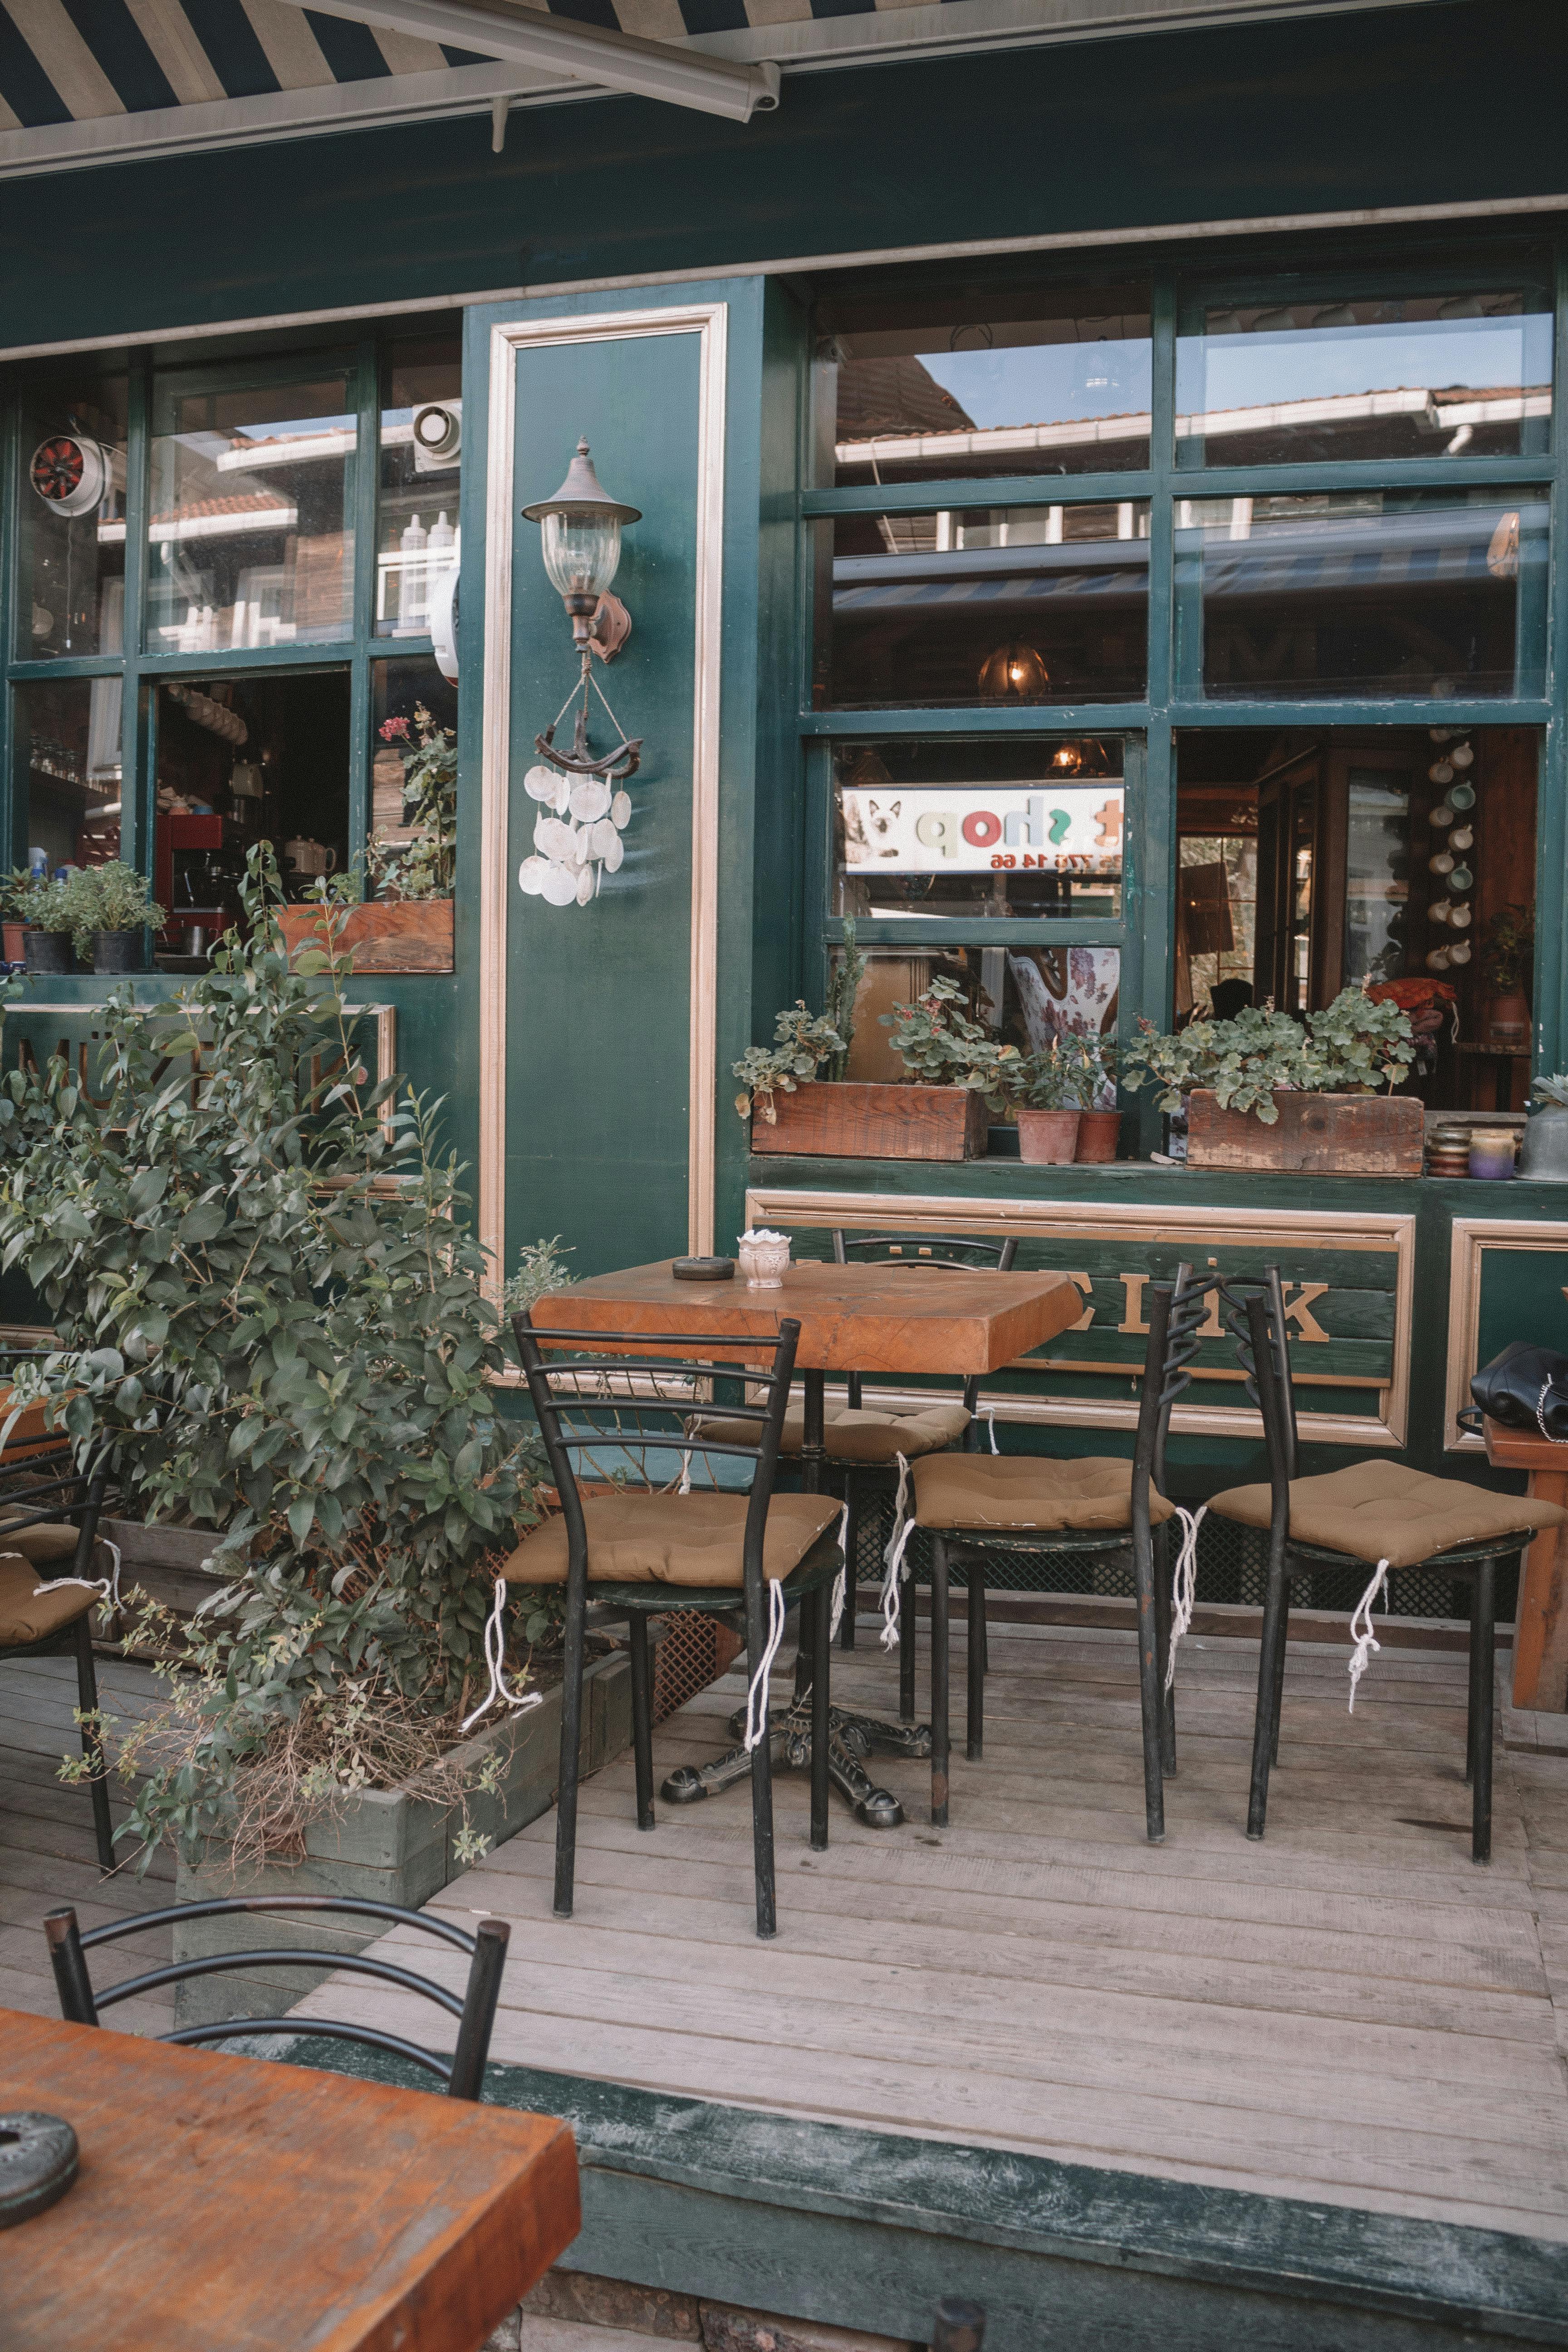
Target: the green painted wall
pixel 1456 101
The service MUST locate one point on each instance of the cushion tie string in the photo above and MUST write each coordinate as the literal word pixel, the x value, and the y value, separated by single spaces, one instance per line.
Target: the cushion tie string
pixel 991 1424
pixel 685 1485
pixel 1184 1584
pixel 495 1658
pixel 841 1582
pixel 1361 1628
pixel 893 1556
pixel 757 1688
pixel 106 1587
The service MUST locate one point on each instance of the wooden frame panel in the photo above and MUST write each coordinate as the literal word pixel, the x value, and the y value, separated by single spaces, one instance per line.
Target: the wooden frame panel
pixel 1469 1240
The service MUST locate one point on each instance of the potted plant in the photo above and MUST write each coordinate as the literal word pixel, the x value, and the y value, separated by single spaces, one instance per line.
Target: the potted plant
pixel 956 1072
pixel 1267 1091
pixel 1047 1094
pixel 110 909
pixel 411 866
pixel 1098 1130
pixel 1544 1154
pixel 17 890
pixel 1505 964
pixel 47 941
pixel 268 1299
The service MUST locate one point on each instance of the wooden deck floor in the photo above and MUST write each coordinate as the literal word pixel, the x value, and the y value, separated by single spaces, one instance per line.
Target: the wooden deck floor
pixel 46 1853
pixel 1351 2012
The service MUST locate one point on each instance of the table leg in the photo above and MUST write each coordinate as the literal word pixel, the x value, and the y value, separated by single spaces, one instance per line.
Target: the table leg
pixel 1541 1624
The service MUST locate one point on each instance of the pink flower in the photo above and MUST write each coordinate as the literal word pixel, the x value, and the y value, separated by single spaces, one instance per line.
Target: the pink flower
pixel 393 729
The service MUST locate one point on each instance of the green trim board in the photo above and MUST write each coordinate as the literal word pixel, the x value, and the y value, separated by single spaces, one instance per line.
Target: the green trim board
pixel 863 2229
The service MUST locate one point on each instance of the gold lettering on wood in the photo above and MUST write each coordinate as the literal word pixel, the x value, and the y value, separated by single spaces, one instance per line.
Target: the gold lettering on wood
pixel 1296 1309
pixel 1084 1285
pixel 1133 1303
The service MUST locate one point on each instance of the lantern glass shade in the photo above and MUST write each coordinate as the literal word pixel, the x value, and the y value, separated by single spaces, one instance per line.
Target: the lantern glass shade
pixel 581 550
pixel 1014 673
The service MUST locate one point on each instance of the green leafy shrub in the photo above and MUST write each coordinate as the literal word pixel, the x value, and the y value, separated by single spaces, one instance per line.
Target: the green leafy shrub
pixel 1352 1044
pixel 109 898
pixel 268 1299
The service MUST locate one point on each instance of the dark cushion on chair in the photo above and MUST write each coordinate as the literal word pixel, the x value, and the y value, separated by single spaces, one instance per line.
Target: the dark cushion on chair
pixel 43 1544
pixel 856 1437
pixel 1027 1490
pixel 635 1538
pixel 1379 1510
pixel 26 1613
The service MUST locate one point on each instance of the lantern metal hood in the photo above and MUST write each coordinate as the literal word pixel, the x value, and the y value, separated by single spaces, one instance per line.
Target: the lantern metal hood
pixel 581 548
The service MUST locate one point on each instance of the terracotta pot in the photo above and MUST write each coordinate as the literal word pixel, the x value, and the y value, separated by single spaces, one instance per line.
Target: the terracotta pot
pixel 1047 1138
pixel 15 936
pixel 1508 1019
pixel 1099 1133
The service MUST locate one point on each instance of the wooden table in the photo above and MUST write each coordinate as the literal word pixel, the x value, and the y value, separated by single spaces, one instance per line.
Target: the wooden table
pixel 1541 1623
pixel 233 2202
pixel 852 1319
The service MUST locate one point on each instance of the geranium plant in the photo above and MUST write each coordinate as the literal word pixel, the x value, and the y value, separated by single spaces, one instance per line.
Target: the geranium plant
pixel 1350 1046
pixel 803 1041
pixel 425 867
pixel 939 1045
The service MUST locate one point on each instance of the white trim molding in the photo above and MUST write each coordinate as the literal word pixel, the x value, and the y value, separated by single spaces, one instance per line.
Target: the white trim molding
pixel 1469 1240
pixel 710 322
pixel 1298 1232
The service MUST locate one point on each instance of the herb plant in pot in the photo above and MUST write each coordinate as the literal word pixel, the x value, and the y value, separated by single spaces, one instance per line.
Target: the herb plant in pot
pixel 17 891
pixel 110 910
pixel 1046 1093
pixel 47 941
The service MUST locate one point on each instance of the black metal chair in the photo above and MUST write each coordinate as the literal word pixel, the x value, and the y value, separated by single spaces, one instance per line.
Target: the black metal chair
pixel 1377 1515
pixel 462 2074
pixel 972 1504
pixel 49 1529
pixel 618 1398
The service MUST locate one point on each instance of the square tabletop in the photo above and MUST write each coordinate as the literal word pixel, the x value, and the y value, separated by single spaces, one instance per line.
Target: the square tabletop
pixel 852 1319
pixel 224 2202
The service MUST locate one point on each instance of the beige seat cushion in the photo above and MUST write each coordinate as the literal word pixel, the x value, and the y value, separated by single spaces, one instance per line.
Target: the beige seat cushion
pixel 44 1545
pixel 1027 1490
pixel 1378 1511
pixel 691 1539
pixel 863 1436
pixel 27 1615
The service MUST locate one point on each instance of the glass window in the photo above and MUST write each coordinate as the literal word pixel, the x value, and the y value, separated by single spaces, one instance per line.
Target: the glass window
pixel 72 515
pixel 1423 376
pixel 986 605
pixel 1025 995
pixel 965 829
pixel 421 454
pixel 251 540
pixel 69 754
pixel 1368 592
pixel 1039 381
pixel 263 756
pixel 413 776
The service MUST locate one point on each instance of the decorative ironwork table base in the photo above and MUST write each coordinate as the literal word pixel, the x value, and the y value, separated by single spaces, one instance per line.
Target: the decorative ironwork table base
pixel 851 1738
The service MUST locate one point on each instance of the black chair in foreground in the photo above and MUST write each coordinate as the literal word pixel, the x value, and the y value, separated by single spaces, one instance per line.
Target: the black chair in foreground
pixel 970 1504
pixel 1378 1514
pixel 49 1530
pixel 622 1401
pixel 462 2074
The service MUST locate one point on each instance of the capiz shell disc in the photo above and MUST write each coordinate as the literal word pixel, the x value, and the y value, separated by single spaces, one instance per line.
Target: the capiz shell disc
pixel 585 886
pixel 621 811
pixel 560 885
pixel 556 840
pixel 530 875
pixel 590 799
pixel 539 784
pixel 608 845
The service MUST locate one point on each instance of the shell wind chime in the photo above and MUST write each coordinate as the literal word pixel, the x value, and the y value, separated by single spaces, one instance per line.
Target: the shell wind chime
pixel 583 809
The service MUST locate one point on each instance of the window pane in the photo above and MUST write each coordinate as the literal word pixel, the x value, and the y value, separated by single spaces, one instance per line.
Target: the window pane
pixel 69 751
pixel 968 831
pixel 413 778
pixel 72 515
pixel 1374 592
pixel 421 454
pixel 263 756
pixel 989 605
pixel 1025 996
pixel 251 542
pixel 1043 380
pixel 1425 376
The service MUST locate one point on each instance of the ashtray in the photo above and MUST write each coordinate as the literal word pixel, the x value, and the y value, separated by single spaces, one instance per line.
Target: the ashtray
pixel 38 2162
pixel 703 1269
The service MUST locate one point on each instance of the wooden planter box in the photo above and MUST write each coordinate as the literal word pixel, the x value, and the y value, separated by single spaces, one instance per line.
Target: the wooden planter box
pixel 860 1122
pixel 1315 1135
pixel 387 935
pixel 389 1847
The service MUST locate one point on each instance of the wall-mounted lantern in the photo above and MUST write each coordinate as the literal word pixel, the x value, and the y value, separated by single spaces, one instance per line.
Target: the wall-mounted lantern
pixel 581 531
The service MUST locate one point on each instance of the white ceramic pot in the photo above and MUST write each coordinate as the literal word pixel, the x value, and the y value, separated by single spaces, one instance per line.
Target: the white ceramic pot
pixel 764 1261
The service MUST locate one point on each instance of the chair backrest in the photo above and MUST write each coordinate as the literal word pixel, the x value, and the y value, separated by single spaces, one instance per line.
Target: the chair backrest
pixel 632 1393
pixel 31 1499
pixel 1176 1312
pixel 928 1254
pixel 1255 1316
pixel 462 2074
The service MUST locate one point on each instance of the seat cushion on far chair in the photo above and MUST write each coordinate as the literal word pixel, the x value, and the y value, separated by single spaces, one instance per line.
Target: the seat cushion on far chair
pixel 26 1613
pixel 678 1540
pixel 955 1491
pixel 855 1436
pixel 43 1544
pixel 1379 1510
